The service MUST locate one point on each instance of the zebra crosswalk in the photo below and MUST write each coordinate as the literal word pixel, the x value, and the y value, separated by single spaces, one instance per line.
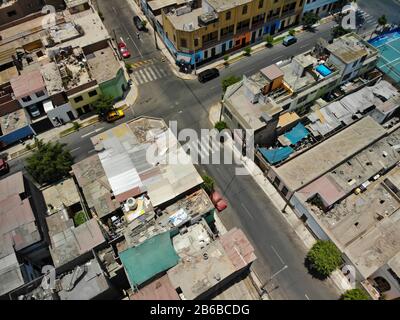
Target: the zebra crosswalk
pixel 201 149
pixel 367 17
pixel 149 74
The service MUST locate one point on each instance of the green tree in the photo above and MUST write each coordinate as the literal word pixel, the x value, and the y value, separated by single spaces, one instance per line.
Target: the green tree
pixel 354 294
pixel 220 125
pixel 49 162
pixel 228 81
pixel 324 257
pixel 382 21
pixel 292 32
pixel 247 51
pixel 269 40
pixel 144 24
pixel 226 59
pixel 103 104
pixel 309 19
pixel 208 184
pixel 339 31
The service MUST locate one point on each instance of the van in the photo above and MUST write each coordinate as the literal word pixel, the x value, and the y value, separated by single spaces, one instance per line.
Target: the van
pixel 289 41
pixel 208 74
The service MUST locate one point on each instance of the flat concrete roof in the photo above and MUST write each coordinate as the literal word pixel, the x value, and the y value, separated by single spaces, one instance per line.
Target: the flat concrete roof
pixel 103 64
pixel 313 163
pixel 27 84
pixel 159 4
pixel 13 121
pixel 179 22
pixel 62 193
pixel 223 5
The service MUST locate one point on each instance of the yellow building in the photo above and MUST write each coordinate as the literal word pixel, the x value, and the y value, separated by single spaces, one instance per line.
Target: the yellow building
pixel 222 26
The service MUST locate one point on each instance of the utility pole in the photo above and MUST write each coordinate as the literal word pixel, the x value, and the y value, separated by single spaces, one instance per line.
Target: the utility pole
pixel 273 276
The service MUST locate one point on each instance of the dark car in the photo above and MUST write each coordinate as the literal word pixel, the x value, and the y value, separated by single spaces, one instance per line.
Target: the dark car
pixel 139 23
pixel 208 74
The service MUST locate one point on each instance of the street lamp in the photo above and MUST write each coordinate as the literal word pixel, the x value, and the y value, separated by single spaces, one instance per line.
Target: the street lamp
pixel 273 276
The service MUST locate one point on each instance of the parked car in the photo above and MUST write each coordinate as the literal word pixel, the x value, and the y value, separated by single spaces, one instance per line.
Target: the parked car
pixel 289 40
pixel 208 74
pixel 138 23
pixel 114 115
pixel 124 50
pixel 34 111
pixel 219 202
pixel 4 167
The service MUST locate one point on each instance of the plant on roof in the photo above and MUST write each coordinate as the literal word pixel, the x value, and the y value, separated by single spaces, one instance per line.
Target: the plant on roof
pixel 355 294
pixel 228 81
pixel 208 184
pixel 79 218
pixel 323 258
pixel 49 162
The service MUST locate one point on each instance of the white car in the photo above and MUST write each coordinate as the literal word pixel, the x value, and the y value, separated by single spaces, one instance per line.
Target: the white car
pixel 34 111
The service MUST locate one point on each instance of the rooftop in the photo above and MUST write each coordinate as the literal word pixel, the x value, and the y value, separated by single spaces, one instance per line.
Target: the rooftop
pixel 313 163
pixel 159 289
pixel 198 273
pixel 27 84
pixel 129 169
pixel 13 121
pixel 186 21
pixel 223 5
pixel 250 114
pixel 62 193
pixel 350 48
pixel 159 4
pixel 52 78
pixel 74 3
pixel 95 186
pixel 69 242
pixel 61 33
pixel 103 64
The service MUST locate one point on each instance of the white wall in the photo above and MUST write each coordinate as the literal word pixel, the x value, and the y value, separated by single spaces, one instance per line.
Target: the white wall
pixel 61 113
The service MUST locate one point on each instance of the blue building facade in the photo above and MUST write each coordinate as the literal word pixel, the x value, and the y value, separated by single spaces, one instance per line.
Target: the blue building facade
pixel 320 7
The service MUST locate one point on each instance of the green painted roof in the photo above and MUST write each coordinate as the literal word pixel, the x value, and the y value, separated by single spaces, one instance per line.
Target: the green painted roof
pixel 148 259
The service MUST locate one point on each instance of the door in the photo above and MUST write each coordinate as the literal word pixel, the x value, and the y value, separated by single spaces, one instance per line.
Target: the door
pixel 70 115
pixel 243 42
pixel 223 48
pixel 212 52
pixel 253 37
pixel 273 29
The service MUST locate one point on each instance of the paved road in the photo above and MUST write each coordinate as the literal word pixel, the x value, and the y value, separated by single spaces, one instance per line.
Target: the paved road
pixel 188 103
pixel 376 8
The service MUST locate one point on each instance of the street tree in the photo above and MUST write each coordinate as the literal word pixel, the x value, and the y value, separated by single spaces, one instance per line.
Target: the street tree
pixel 49 162
pixel 269 40
pixel 228 81
pixel 324 258
pixel 208 184
pixel 103 105
pixel 382 21
pixel 339 31
pixel 220 125
pixel 309 19
pixel 354 294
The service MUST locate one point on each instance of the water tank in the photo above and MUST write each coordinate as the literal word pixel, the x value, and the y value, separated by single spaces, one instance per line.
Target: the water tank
pixel 131 203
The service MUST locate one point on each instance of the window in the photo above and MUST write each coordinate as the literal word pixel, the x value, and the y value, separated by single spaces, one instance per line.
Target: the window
pixel 244 10
pixel 260 4
pixel 196 42
pixel 12 13
pixel 285 191
pixel 302 99
pixel 228 113
pixel 382 285
pixel 92 93
pixel 183 43
pixel 347 77
pixel 228 16
pixel 286 106
pixel 39 94
pixel 78 99
pixel 205 54
pixel 26 99
pixel 277 182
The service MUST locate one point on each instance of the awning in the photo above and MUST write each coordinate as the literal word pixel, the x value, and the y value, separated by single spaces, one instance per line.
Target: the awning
pixel 185 58
pixel 297 134
pixel 274 156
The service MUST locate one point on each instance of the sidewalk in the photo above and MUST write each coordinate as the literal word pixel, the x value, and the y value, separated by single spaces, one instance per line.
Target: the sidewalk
pixel 62 131
pixel 337 277
pixel 235 57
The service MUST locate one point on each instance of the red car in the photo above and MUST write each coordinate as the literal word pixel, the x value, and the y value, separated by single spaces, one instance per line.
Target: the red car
pixel 123 50
pixel 218 201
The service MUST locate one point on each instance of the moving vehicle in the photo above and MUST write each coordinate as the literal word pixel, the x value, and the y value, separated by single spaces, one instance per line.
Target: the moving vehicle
pixel 34 111
pixel 289 40
pixel 123 50
pixel 138 23
pixel 208 74
pixel 4 167
pixel 114 115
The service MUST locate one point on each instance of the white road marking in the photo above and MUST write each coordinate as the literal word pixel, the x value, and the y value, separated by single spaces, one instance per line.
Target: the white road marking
pixel 155 70
pixel 130 36
pixel 144 77
pixel 91 132
pixel 278 58
pixel 247 211
pixel 163 72
pixel 146 71
pixel 76 149
pixel 90 151
pixel 276 252
pixel 307 297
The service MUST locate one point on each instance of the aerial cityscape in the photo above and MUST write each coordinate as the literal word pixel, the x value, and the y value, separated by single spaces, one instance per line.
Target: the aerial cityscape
pixel 202 150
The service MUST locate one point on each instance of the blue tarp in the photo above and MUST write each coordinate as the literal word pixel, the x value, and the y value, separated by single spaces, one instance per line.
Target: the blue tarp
pixel 297 134
pixel 274 156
